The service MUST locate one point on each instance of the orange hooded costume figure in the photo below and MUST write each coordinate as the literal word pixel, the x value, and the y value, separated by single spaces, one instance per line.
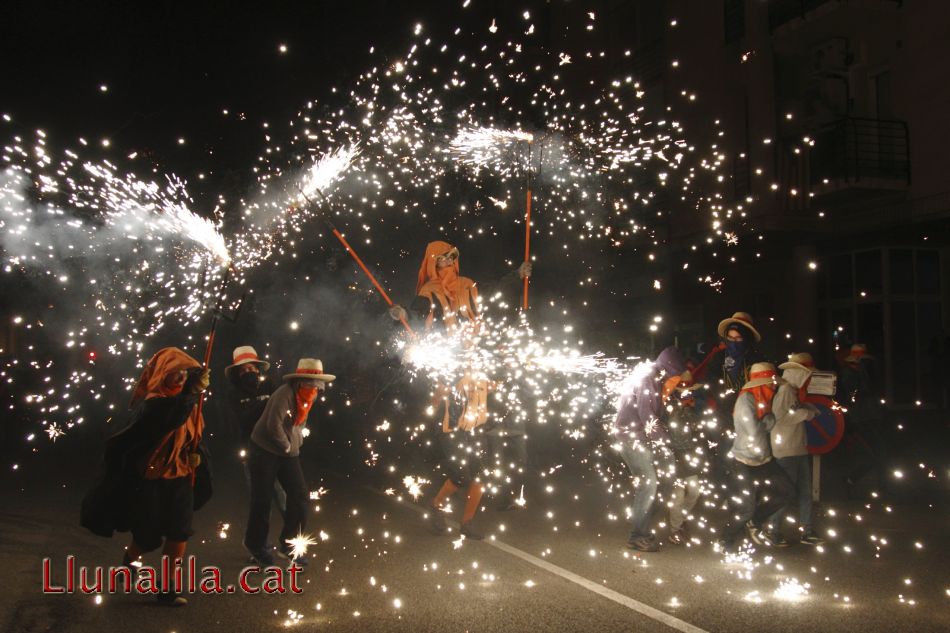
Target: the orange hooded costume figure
pixel 456 295
pixel 170 458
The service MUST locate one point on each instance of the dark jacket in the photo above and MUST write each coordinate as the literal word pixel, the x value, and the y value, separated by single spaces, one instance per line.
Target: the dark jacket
pixel 247 407
pixel 106 508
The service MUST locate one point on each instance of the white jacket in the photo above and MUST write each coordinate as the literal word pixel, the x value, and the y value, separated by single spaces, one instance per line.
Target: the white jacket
pixel 788 434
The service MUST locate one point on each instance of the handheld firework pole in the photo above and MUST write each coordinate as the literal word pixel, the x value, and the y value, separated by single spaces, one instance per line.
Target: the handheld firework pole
pixel 356 258
pixel 216 314
pixel 527 225
pixel 527 209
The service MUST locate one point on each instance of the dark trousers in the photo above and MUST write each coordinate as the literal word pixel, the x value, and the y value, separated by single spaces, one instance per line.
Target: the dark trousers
pixel 757 492
pixel 265 467
pixel 461 457
pixel 163 509
pixel 508 454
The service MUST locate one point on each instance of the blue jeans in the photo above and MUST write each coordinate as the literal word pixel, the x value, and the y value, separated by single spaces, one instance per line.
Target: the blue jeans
pixel 639 459
pixel 798 469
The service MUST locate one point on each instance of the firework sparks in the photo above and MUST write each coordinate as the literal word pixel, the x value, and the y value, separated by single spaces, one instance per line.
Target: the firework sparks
pixel 299 545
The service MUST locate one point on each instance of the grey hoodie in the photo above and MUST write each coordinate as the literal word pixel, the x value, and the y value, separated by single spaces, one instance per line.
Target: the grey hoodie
pixel 275 431
pixel 788 434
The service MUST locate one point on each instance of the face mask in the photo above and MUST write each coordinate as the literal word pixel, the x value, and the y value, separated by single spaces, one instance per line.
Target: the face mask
pixel 735 348
pixel 249 381
pixel 305 397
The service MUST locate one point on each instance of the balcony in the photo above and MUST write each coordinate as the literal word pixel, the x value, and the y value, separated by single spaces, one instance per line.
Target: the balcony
pixel 782 12
pixel 860 155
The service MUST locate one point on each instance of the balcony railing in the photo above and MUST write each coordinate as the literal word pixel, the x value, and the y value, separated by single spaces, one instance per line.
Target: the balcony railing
pixel 782 11
pixel 855 151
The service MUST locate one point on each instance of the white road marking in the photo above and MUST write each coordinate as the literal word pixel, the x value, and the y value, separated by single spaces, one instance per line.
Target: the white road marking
pixel 614 596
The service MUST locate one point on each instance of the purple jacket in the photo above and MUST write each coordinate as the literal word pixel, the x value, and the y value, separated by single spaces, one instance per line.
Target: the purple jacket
pixel 640 411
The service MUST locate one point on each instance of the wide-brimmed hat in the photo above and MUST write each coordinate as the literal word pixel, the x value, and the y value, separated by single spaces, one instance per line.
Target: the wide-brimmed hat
pixel 763 374
pixel 801 360
pixel 242 356
pixel 310 369
pixel 739 318
pixel 858 351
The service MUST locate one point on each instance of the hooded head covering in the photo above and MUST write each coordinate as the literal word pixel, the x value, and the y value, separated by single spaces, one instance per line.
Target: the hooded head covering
pixel 428 271
pixel 456 294
pixel 151 383
pixel 169 459
pixel 670 362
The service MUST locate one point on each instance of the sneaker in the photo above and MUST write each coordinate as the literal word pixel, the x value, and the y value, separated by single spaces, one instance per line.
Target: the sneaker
pixel 774 539
pixel 678 537
pixel 172 599
pixel 133 572
pixel 437 521
pixel 469 532
pixel 811 537
pixel 285 553
pixel 643 543
pixel 510 504
pixel 757 536
pixel 264 558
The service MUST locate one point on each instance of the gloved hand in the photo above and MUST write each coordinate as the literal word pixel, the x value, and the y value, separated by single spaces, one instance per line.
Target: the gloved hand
pixel 398 313
pixel 524 270
pixel 198 381
pixel 194 459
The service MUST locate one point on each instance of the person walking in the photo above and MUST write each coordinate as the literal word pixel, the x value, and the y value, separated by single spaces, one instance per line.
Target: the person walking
pixel 275 454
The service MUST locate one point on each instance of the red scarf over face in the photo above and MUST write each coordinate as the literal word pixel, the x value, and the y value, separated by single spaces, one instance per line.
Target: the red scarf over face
pixel 763 399
pixel 305 397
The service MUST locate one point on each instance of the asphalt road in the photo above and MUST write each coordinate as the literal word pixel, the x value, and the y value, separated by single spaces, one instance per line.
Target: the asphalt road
pixel 558 565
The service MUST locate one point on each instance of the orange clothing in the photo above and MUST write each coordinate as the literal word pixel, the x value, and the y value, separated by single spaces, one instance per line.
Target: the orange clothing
pixel 456 295
pixel 169 459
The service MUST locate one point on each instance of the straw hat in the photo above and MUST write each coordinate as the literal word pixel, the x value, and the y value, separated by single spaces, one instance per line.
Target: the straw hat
pixel 801 360
pixel 739 318
pixel 763 374
pixel 243 355
pixel 858 351
pixel 310 369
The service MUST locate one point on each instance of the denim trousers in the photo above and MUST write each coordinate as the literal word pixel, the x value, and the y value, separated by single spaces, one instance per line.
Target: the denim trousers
pixel 639 459
pixel 798 469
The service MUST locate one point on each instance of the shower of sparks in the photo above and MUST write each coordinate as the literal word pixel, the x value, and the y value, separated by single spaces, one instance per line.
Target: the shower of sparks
pixel 414 485
pixel 791 590
pixel 485 146
pixel 326 171
pixel 299 545
pixel 399 153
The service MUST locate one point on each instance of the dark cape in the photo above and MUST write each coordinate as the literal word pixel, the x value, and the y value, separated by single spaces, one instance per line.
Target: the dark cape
pixel 107 507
